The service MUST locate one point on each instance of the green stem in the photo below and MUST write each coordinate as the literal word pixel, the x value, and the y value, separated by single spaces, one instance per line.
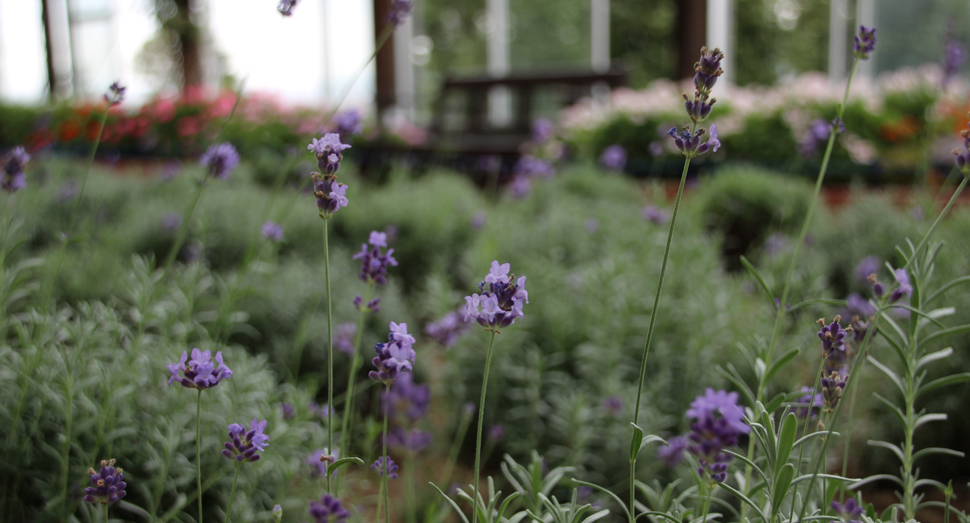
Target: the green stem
pixel 455 448
pixel 232 493
pixel 77 207
pixel 409 488
pixel 380 501
pixel 481 419
pixel 352 378
pixel 780 315
pixel 653 322
pixel 106 514
pixel 198 449
pixel 384 472
pixel 184 228
pixel 808 421
pixel 330 406
pixel 707 503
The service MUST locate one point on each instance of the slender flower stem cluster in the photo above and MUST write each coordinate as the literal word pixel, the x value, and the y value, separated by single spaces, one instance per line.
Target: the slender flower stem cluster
pixel 835 368
pixel 864 42
pixel 394 356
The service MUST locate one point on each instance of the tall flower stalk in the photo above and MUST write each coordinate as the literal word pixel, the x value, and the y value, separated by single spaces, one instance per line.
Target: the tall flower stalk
pixel 199 373
pixel 499 305
pixel 864 45
pixel 331 197
pixel 707 71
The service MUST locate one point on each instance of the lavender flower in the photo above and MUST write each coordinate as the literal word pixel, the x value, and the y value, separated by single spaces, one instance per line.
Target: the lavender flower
pixel 953 57
pixel 349 123
pixel 13 170
pixel 502 303
pixel 496 433
pixel 395 356
pixel 374 263
pixel 331 196
pixel 809 404
pixel 412 440
pixel 285 7
pixel 904 288
pixel 868 266
pixel 321 411
pixel 272 231
pixel 706 72
pixel 400 9
pixel 199 372
pixel 520 186
pixel 385 466
pixel 775 243
pixel 654 214
pixel 243 444
pixel 448 329
pixel 288 410
pixel 329 152
pixel 963 157
pixel 221 159
pixel 115 94
pixel 613 405
pixel 818 133
pixel 690 144
pixel 864 42
pixel 835 370
pixel 328 510
pixel 319 460
pixel 277 513
pixel 531 166
pixel 673 453
pixel 614 158
pixel 344 339
pixel 850 512
pixel 108 484
pixel 542 130
pixel 405 401
pixel 719 422
pixel 479 219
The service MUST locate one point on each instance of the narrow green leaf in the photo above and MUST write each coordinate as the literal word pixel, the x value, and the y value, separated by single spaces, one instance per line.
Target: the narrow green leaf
pixel 888 372
pixel 757 277
pixel 745 499
pixel 616 498
pixel 782 482
pixel 960 329
pixel 943 382
pixel 936 450
pixel 781 362
pixel 886 445
pixel 332 469
pixel 786 440
pixel 938 355
pixel 451 502
pixel 636 442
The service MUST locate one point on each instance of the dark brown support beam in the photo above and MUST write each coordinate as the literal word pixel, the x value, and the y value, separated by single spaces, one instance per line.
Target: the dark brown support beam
pixel 386 90
pixel 49 50
pixel 691 34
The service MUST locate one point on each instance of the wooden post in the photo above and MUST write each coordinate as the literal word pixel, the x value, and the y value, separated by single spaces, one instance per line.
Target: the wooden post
pixel 691 35
pixel 386 88
pixel 49 51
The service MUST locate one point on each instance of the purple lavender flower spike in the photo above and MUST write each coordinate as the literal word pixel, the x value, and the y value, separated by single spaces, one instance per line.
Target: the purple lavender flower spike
pixel 199 372
pixel 374 263
pixel 448 329
pixel 706 72
pixel 614 158
pixel 864 42
pixel 963 157
pixel 221 159
pixel 531 166
pixel 331 196
pixel 673 453
pixel 543 130
pixel 904 288
pixel 835 354
pixel 400 9
pixel 344 339
pixel 288 410
pixel 349 123
pixel 654 214
pixel 850 512
pixel 14 178
pixel 272 231
pixel 374 305
pixel 395 356
pixel 285 7
pixel 385 466
pixel 115 94
pixel 520 186
pixel 329 152
pixel 867 267
pixel 328 510
pixel 613 405
pixel 809 404
pixel 818 133
pixel 406 402
pixel 496 433
pixel 412 440
pixel 243 444
pixel 108 484
pixel 501 300
pixel 719 423
pixel 954 55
